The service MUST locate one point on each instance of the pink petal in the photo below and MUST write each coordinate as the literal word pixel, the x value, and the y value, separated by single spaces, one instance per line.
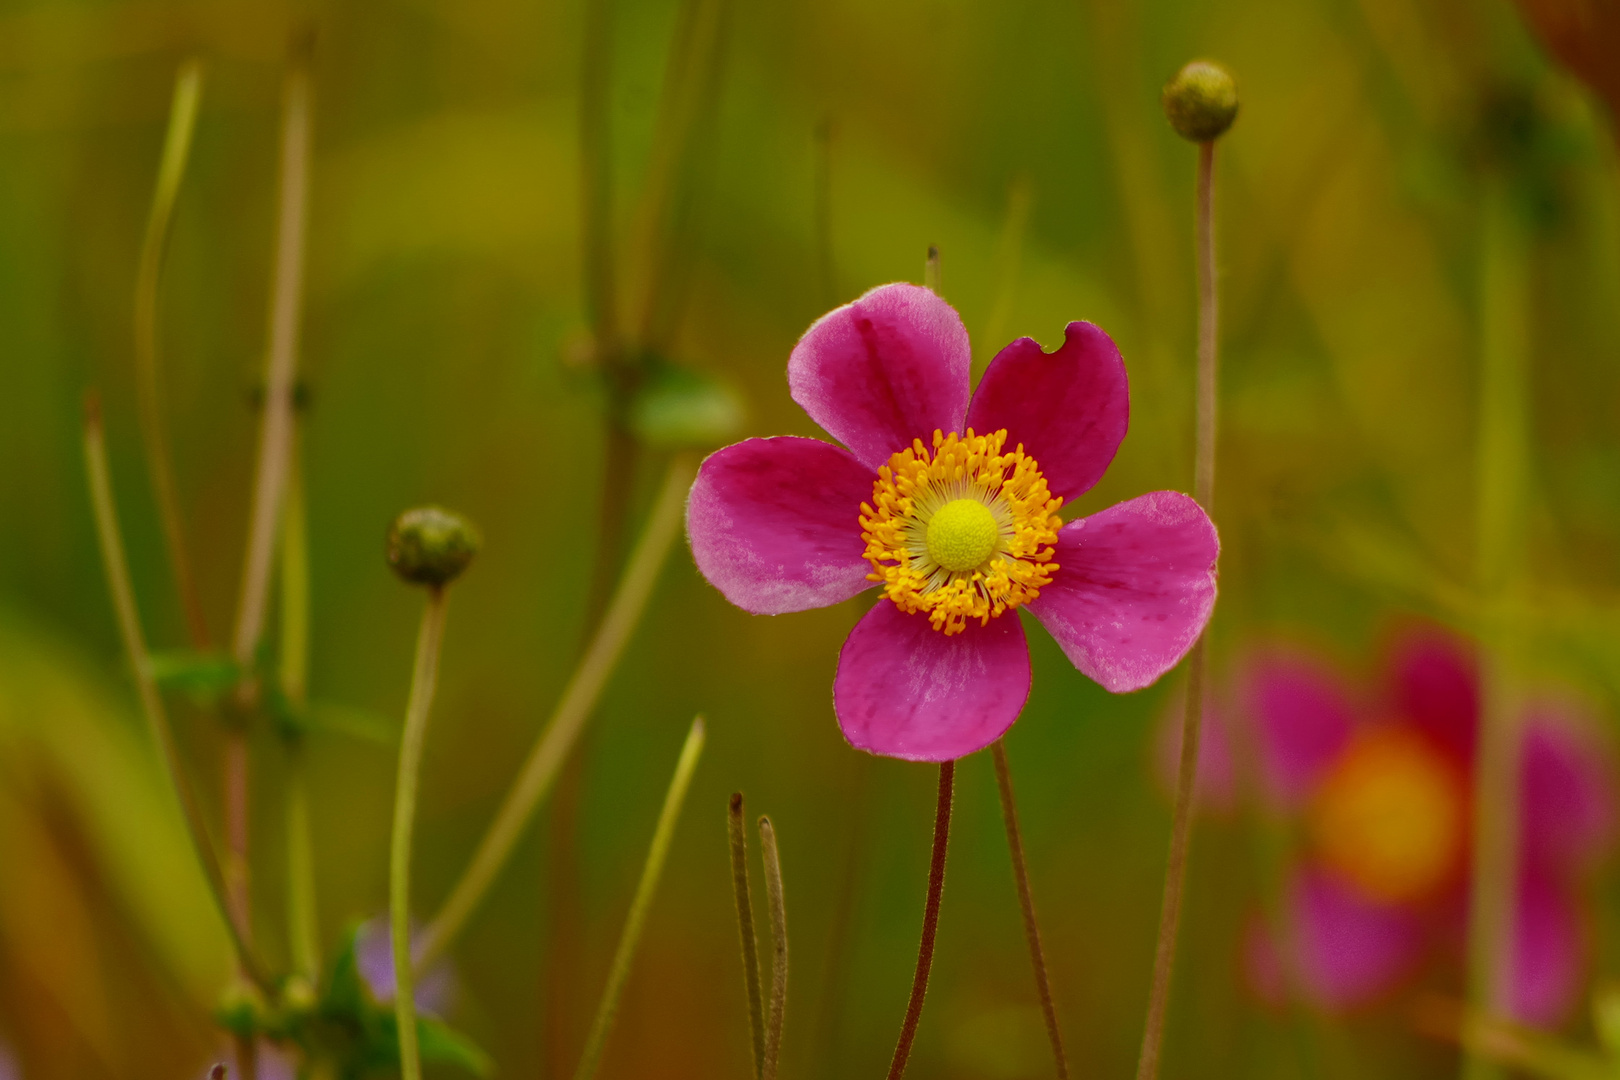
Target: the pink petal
pixel 1135 587
pixel 1068 408
pixel 889 368
pixel 775 524
pixel 1437 689
pixel 1347 950
pixel 1547 954
pixel 905 690
pixel 1302 718
pixel 1567 794
pixel 1216 786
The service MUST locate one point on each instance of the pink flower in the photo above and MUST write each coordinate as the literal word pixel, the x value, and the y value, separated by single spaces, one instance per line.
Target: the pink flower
pixel 951 505
pixel 1382 790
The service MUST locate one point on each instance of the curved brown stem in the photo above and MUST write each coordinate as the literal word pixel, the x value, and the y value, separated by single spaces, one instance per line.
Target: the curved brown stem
pixel 925 952
pixel 1026 903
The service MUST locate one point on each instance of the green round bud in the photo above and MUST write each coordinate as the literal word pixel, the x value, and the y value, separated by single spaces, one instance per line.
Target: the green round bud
pixel 431 545
pixel 1201 101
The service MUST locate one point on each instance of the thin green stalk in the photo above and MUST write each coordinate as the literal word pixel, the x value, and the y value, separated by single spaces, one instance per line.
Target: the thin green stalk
pixel 779 948
pixel 931 269
pixel 1026 904
pixel 642 903
pixel 573 710
pixel 738 832
pixel 171 170
pixel 925 950
pixel 596 179
pixel 423 677
pixel 1502 480
pixel 1175 872
pixel 116 566
pixel 302 923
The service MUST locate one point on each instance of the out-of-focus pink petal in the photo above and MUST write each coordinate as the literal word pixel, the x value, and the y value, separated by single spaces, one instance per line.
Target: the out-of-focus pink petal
pixel 891 367
pixel 1216 788
pixel 1547 954
pixel 1437 689
pixel 1068 408
pixel 1301 716
pixel 775 524
pixel 1348 951
pixel 1134 588
pixel 905 690
pixel 1567 790
pixel 374 958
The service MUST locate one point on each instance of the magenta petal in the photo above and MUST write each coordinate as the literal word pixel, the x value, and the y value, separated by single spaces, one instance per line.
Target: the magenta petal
pixel 1134 588
pixel 1546 954
pixel 1068 408
pixel 1301 716
pixel 1347 950
pixel 905 690
pixel 775 524
pixel 889 368
pixel 1437 689
pixel 1566 790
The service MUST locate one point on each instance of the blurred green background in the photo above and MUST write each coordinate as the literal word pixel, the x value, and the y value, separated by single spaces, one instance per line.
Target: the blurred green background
pixel 441 343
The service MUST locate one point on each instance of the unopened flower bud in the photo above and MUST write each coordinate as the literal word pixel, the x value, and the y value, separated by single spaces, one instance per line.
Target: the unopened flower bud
pixel 1201 101
pixel 431 545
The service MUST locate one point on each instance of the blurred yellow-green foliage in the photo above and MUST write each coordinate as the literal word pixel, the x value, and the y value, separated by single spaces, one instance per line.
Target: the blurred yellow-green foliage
pixel 441 340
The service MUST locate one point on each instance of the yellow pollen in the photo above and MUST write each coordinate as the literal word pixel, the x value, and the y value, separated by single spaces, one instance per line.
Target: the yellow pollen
pixel 1390 815
pixel 961 530
pixel 962 534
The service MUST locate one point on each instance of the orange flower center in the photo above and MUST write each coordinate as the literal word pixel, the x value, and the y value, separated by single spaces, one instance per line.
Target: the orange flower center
pixel 1389 817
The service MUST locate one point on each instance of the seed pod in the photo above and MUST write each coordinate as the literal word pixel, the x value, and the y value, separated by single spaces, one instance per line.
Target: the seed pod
pixel 1201 101
pixel 431 545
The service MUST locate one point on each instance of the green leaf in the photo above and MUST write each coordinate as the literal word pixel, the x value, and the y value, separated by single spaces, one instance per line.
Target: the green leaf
pixel 207 674
pixel 677 407
pixel 442 1045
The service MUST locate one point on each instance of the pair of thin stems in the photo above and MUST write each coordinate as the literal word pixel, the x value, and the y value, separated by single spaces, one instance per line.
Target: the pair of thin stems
pixel 764 1023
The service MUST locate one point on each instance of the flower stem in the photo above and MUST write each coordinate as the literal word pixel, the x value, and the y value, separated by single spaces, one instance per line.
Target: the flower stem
pixel 116 566
pixel 642 903
pixel 302 923
pixel 1026 902
pixel 779 948
pixel 738 833
pixel 931 269
pixel 171 170
pixel 925 951
pixel 1175 871
pixel 275 452
pixel 423 677
pixel 578 700
pixel 1502 498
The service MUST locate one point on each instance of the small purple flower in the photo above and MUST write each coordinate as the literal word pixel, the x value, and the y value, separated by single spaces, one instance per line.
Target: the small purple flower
pixel 374 957
pixel 1382 790
pixel 950 503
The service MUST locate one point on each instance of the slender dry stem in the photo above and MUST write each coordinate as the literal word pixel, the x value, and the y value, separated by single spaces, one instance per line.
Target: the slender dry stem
pixel 424 677
pixel 642 903
pixel 573 710
pixel 1175 871
pixel 116 566
pixel 274 456
pixel 1026 903
pixel 925 951
pixel 779 948
pixel 148 394
pixel 1501 482
pixel 738 832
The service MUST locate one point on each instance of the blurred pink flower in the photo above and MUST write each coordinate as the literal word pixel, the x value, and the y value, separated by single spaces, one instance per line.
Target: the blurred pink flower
pixel 1382 790
pixel 951 504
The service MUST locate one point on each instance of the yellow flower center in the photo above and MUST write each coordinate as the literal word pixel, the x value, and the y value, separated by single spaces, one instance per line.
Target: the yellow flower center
pixel 1389 816
pixel 962 534
pixel 961 530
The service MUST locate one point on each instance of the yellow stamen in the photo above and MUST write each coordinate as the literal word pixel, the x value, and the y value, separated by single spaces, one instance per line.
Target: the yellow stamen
pixel 961 531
